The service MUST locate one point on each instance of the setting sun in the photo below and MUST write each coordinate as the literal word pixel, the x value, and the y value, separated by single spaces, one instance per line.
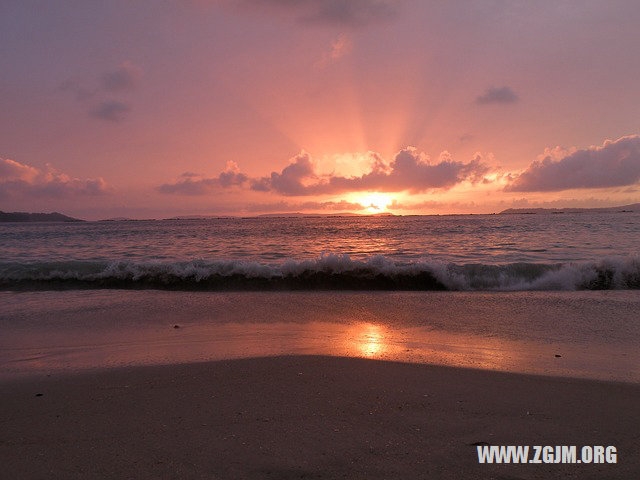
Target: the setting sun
pixel 374 202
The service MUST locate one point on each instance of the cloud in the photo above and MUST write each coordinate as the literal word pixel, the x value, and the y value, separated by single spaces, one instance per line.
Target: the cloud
pixel 497 95
pixel 432 205
pixel 409 170
pixel 341 206
pixel 291 180
pixel 111 110
pixel 10 170
pixel 77 90
pixel 340 47
pixel 614 164
pixel 194 184
pixel 123 78
pixel 341 13
pixel 20 180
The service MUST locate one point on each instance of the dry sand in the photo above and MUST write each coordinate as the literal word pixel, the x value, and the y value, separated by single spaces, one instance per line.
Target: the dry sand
pixel 304 417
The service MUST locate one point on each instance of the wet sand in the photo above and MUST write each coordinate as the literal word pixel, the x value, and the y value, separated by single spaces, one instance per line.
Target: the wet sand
pixel 309 417
pixel 596 334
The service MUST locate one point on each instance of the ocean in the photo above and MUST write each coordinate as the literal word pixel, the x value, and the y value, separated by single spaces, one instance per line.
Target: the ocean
pixel 545 294
pixel 456 252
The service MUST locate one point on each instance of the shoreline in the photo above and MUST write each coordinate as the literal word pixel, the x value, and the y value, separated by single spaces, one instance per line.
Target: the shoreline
pixel 558 334
pixel 307 417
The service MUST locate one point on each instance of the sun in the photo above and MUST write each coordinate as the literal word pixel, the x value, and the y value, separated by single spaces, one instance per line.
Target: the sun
pixel 374 202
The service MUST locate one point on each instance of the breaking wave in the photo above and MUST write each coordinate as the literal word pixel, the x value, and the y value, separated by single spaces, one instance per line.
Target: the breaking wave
pixel 328 272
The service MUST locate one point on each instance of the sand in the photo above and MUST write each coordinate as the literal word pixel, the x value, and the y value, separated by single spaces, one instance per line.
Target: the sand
pixel 307 417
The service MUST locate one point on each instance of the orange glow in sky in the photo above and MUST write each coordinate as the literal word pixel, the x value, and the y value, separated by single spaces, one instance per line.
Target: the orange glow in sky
pixel 373 202
pixel 278 107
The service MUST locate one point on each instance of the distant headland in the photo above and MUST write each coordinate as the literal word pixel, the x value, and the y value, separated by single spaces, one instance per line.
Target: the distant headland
pixel 36 217
pixel 634 207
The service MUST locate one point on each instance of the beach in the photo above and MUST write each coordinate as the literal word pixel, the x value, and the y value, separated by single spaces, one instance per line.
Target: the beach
pixel 311 417
pixel 168 350
pixel 317 385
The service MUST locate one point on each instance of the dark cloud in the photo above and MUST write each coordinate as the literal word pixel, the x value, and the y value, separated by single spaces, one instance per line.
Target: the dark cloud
pixel 614 164
pixel 342 13
pixel 194 184
pixel 111 110
pixel 123 78
pixel 464 138
pixel 21 180
pixel 497 95
pixel 409 170
pixel 77 90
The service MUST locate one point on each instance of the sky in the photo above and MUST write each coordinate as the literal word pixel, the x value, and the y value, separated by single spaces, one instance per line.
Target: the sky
pixel 154 109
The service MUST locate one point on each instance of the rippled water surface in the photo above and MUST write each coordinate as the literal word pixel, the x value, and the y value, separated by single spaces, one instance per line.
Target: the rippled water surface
pixel 486 239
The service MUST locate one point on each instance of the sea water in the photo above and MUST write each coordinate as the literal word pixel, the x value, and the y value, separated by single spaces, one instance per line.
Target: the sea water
pixel 544 294
pixel 457 252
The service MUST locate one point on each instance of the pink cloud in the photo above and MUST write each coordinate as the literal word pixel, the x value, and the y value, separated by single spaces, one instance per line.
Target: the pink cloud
pixel 340 47
pixel 195 184
pixel 614 164
pixel 21 180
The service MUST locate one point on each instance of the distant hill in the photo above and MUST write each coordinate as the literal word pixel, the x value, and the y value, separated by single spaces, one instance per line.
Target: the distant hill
pixel 36 217
pixel 634 207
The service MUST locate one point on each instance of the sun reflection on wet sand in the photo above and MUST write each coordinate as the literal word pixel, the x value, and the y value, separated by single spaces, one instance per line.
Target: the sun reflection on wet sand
pixel 370 340
pixel 60 351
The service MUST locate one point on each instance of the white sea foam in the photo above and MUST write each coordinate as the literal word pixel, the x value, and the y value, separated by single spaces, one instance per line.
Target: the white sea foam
pixel 325 272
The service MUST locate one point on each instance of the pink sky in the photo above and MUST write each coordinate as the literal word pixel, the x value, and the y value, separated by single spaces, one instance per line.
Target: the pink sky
pixel 155 109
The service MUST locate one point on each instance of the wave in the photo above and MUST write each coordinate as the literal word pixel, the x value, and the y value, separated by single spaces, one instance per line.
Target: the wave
pixel 328 272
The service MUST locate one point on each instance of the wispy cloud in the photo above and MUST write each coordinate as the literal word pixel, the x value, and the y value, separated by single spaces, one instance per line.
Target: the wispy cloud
pixel 117 82
pixel 111 110
pixel 339 206
pixel 497 95
pixel 123 78
pixel 339 48
pixel 340 13
pixel 613 164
